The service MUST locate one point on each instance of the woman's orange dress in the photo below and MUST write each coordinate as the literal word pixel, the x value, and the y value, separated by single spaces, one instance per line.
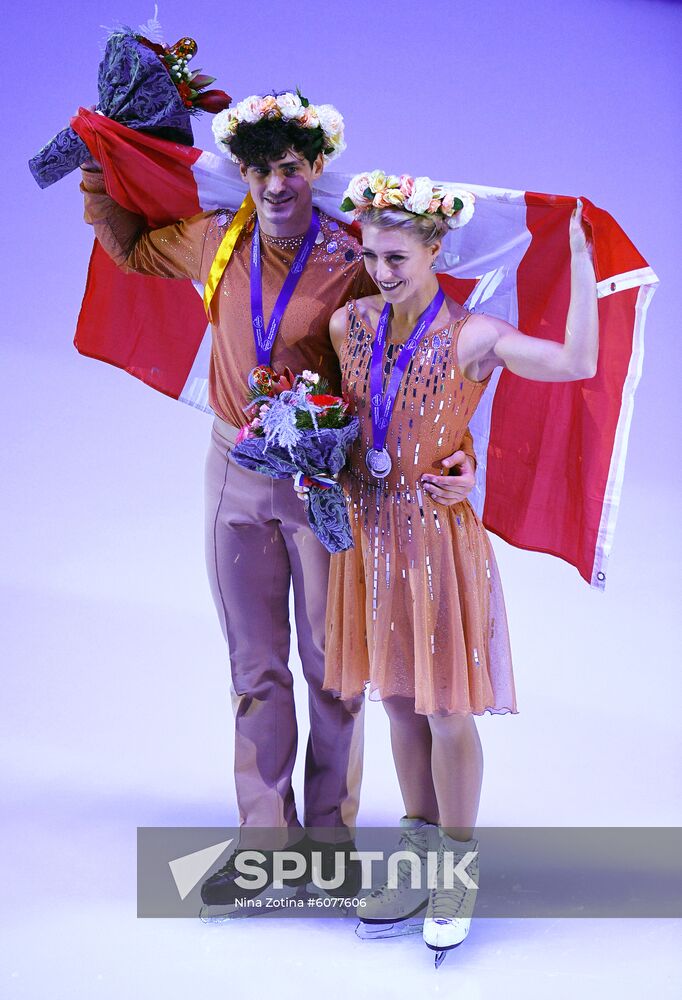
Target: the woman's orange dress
pixel 416 607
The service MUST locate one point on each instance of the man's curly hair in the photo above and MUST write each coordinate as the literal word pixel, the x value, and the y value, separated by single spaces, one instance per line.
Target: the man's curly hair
pixel 259 143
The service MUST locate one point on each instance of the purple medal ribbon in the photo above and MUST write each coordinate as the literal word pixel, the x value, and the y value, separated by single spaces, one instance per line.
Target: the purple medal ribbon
pixel 382 405
pixel 264 340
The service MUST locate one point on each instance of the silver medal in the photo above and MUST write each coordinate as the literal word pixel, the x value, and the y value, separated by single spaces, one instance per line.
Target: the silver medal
pixel 378 462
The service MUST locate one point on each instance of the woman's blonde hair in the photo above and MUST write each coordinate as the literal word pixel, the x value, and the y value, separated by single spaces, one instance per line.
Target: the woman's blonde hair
pixel 428 229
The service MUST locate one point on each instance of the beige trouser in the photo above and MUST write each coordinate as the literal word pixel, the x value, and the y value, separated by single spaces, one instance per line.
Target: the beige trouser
pixel 258 541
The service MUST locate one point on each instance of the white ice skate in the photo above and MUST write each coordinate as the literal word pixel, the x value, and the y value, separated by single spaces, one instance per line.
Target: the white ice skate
pixel 449 911
pixel 394 912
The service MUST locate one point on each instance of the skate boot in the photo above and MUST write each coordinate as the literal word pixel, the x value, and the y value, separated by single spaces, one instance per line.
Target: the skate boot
pixel 221 889
pixel 449 911
pixel 326 857
pixel 392 912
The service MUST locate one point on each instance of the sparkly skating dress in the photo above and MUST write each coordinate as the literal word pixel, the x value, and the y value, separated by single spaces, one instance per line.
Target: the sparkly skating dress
pixel 416 607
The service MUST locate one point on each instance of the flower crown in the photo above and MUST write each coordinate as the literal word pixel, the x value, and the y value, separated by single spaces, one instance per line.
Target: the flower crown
pixel 418 195
pixel 288 107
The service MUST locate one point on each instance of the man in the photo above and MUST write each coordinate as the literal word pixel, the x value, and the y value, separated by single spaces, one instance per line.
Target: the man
pixel 258 540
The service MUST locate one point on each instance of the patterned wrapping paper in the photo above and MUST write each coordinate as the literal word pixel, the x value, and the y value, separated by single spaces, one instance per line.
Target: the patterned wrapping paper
pixel 136 90
pixel 317 452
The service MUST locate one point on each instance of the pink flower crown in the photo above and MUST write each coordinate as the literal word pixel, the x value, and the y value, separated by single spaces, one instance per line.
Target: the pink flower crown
pixel 418 195
pixel 288 106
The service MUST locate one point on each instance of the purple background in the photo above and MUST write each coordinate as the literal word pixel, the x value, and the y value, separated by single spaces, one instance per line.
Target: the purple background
pixel 116 683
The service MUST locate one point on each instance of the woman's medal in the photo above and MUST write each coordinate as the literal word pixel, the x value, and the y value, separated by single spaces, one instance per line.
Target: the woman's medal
pixel 264 339
pixel 378 462
pixel 377 459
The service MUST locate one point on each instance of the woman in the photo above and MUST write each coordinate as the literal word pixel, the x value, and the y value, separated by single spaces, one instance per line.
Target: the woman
pixel 416 608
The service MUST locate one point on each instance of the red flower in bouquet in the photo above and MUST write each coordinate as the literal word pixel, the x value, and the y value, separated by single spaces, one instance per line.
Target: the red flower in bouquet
pixel 303 432
pixel 327 401
pixel 315 408
pixel 212 101
pixel 185 93
pixel 191 86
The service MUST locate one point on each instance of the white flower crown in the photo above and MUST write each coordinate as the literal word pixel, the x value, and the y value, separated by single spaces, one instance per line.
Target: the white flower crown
pixel 418 195
pixel 289 107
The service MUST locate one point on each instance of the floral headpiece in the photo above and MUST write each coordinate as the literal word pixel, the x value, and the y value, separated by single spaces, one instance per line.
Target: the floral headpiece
pixel 288 107
pixel 418 195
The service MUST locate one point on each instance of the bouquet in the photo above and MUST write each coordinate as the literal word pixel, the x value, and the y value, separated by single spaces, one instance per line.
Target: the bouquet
pixel 297 429
pixel 143 84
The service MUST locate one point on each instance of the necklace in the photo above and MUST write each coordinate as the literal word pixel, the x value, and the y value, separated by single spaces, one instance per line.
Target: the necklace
pixel 284 242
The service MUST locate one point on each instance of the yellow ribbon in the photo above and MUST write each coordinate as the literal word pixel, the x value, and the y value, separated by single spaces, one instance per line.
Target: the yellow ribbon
pixel 225 250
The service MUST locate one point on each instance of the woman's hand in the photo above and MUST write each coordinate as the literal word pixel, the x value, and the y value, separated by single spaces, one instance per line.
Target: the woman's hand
pixel 449 490
pixel 446 490
pixel 534 357
pixel 578 232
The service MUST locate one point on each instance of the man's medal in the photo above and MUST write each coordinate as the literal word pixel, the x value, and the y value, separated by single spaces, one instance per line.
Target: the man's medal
pixel 264 339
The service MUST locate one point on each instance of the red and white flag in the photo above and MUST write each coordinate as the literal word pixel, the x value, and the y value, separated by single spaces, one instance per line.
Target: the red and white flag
pixel 551 455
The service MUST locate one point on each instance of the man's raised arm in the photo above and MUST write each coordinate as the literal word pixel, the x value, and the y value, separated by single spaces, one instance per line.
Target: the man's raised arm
pixel 173 251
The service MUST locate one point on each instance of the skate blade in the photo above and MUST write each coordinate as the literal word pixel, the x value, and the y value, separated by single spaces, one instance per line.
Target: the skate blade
pixel 441 953
pixel 221 913
pixel 400 928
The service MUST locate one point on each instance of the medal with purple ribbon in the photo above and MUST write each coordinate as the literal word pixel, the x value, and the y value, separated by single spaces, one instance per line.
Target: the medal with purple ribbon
pixel 265 338
pixel 377 459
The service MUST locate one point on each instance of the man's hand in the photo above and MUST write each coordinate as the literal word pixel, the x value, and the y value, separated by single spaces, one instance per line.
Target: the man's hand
pixel 301 491
pixel 94 166
pixel 451 489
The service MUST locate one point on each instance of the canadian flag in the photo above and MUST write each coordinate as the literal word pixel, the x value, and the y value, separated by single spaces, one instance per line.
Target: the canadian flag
pixel 551 456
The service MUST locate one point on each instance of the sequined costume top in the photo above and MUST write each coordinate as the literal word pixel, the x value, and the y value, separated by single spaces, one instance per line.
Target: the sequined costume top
pixel 416 607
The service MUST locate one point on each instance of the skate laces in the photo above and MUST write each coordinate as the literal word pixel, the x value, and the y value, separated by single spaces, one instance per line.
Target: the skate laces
pixel 410 840
pixel 229 867
pixel 447 904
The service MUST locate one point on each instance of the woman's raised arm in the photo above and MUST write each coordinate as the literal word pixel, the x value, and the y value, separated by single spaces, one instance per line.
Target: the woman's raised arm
pixel 493 342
